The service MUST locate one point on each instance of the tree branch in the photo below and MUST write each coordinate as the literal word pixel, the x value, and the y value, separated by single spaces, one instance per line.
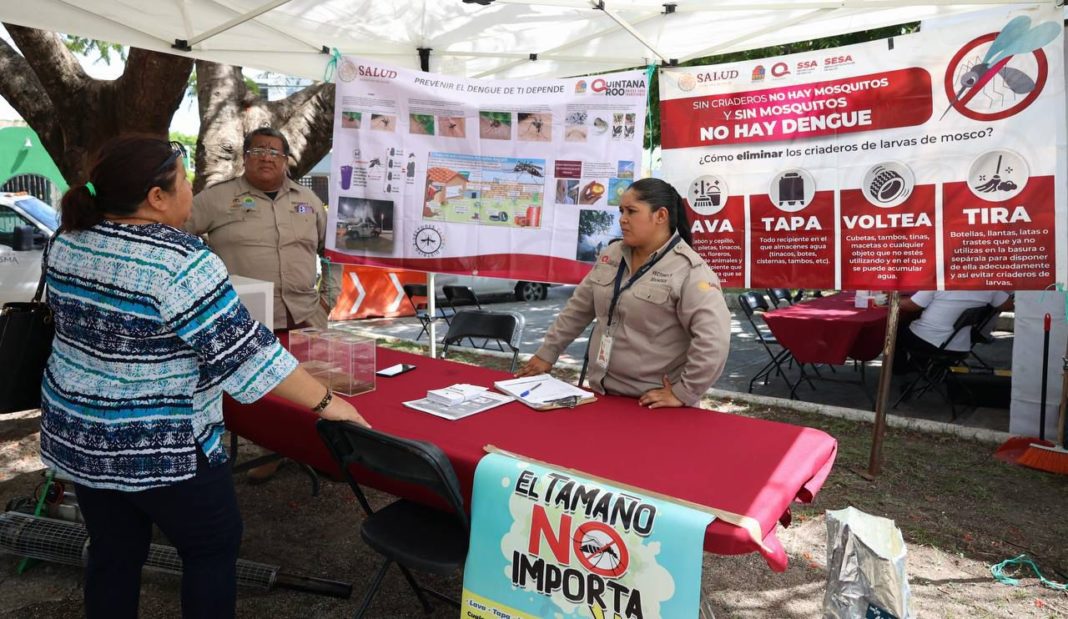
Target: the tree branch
pixel 151 88
pixel 21 88
pixel 55 66
pixel 307 118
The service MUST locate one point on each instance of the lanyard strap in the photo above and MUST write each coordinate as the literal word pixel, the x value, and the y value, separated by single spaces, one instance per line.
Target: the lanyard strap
pixel 618 290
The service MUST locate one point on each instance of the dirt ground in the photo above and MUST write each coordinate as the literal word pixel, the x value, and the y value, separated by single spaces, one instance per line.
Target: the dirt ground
pixel 959 509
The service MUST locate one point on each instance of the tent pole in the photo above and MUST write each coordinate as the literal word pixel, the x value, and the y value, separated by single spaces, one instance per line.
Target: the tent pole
pixel 875 462
pixel 237 21
pixel 431 300
pixel 630 29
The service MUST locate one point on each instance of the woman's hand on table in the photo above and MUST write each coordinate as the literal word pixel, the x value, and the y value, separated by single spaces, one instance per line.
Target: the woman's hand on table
pixel 534 366
pixel 663 397
pixel 341 409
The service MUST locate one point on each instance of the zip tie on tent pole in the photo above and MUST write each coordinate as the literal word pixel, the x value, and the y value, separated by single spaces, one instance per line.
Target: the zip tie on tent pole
pixel 331 65
pixel 998 572
pixel 1061 289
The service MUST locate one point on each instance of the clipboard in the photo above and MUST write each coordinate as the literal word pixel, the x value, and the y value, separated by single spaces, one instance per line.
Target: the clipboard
pixel 553 393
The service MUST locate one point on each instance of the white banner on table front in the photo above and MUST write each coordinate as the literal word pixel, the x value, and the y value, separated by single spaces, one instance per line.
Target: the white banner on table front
pixel 931 160
pixel 516 179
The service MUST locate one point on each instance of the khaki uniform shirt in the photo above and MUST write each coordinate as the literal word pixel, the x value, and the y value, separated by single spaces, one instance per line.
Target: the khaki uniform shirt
pixel 672 321
pixel 273 240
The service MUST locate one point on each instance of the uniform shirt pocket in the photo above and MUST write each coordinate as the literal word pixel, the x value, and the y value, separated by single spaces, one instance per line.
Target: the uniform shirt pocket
pixel 650 310
pixel 602 277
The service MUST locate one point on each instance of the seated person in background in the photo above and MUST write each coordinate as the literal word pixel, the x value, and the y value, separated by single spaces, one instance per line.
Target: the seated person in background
pixel 940 310
pixel 663 328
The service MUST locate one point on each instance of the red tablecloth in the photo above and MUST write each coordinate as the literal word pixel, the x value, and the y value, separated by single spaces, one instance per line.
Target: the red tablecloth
pixel 742 465
pixel 829 330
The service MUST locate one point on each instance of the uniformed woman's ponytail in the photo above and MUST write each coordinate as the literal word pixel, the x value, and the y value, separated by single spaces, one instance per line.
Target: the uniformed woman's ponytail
pixel 658 193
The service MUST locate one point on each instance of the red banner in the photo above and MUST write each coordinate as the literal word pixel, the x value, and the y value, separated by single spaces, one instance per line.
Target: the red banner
pixel 885 100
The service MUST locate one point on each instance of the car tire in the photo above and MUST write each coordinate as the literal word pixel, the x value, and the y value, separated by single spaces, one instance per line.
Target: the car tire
pixel 531 291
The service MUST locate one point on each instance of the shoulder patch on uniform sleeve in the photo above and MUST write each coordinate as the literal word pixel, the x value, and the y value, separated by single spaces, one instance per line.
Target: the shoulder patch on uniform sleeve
pixel 687 252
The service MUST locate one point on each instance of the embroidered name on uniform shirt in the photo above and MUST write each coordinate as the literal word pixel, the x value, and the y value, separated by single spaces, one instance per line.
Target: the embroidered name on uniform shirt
pixel 659 277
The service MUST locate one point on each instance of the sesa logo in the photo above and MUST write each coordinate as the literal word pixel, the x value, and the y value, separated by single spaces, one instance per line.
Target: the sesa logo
pixel 378 72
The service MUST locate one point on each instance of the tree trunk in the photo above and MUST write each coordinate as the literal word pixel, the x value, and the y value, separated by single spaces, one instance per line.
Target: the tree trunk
pixel 74 114
pixel 228 111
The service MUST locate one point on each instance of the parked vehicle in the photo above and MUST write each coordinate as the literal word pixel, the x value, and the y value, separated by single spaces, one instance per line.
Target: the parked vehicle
pixel 26 224
pixel 362 230
pixel 490 286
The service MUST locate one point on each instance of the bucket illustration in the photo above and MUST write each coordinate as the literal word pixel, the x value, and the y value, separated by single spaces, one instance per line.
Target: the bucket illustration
pixel 534 216
pixel 346 176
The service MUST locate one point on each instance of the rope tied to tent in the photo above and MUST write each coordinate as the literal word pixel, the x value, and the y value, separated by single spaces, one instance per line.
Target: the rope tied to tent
pixel 1061 289
pixel 998 571
pixel 331 65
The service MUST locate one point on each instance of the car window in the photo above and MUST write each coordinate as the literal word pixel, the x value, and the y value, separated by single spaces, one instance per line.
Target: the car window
pixel 9 219
pixel 40 211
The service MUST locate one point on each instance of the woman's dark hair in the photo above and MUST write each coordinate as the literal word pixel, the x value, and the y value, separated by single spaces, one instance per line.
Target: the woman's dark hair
pixel 270 132
pixel 658 193
pixel 123 172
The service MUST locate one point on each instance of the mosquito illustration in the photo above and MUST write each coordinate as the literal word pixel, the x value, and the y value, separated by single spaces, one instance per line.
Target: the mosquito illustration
pixel 617 131
pixel 628 132
pixel 374 162
pixel 528 168
pixel 592 549
pixel 1017 37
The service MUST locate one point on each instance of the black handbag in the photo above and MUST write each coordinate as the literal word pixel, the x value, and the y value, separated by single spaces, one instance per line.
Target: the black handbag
pixel 26 332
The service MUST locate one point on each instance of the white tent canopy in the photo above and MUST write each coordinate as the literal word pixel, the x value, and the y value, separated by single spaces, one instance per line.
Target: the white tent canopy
pixel 501 39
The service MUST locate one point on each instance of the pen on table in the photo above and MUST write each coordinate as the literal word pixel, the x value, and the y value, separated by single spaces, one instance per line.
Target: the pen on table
pixel 527 392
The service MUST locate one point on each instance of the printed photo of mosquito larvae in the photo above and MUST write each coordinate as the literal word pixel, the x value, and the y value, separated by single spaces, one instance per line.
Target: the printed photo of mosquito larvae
pixel 383 122
pixel 575 127
pixel 421 124
pixel 495 125
pixel 452 126
pixel 350 119
pixel 535 127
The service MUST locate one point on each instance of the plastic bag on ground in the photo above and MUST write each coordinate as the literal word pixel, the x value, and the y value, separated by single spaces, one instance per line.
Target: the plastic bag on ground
pixel 866 576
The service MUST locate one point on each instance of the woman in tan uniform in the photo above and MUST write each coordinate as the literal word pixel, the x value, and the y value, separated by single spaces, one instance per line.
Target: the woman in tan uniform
pixel 663 328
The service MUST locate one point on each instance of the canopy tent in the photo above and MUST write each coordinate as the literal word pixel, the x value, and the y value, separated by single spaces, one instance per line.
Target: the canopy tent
pixel 472 38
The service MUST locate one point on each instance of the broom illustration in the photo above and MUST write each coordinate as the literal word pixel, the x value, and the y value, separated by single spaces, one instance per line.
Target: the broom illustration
pixel 1053 459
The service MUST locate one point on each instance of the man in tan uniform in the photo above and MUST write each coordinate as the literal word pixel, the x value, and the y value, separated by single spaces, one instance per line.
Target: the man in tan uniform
pixel 265 226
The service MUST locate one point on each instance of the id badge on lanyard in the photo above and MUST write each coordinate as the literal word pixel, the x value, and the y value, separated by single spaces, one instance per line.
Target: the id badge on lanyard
pixel 605 351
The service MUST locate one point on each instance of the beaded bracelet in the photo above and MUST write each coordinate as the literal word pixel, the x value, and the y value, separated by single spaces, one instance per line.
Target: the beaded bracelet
pixel 321 406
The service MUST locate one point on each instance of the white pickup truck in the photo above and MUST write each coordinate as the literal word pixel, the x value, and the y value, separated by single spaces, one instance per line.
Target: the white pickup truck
pixel 26 224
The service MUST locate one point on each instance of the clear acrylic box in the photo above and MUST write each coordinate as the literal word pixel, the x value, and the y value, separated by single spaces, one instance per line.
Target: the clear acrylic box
pixel 352 364
pixel 300 341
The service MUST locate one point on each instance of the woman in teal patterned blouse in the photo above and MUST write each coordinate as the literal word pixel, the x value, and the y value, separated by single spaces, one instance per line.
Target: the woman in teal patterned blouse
pixel 149 335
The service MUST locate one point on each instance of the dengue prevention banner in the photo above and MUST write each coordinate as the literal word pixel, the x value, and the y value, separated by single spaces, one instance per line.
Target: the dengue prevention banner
pixel 516 179
pixel 546 543
pixel 934 160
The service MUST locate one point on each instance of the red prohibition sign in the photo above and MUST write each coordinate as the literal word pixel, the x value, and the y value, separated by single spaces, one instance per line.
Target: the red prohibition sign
pixel 1040 82
pixel 600 549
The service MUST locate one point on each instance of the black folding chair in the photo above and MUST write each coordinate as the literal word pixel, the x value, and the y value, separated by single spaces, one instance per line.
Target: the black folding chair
pixel 780 296
pixel 413 291
pixel 414 536
pixel 464 296
pixel 504 327
pixel 753 303
pixel 934 366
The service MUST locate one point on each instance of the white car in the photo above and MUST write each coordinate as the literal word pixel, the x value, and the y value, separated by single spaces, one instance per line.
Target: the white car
pixel 26 224
pixel 490 286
